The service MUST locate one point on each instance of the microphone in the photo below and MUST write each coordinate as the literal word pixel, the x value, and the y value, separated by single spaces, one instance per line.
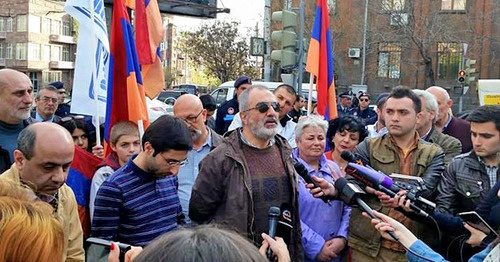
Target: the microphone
pixel 381 182
pixel 302 171
pixel 285 223
pixel 273 216
pixel 350 194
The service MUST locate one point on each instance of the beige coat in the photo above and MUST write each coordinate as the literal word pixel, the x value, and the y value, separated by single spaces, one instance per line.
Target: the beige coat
pixel 67 213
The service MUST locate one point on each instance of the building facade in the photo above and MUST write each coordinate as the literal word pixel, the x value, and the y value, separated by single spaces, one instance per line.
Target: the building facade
pixel 37 37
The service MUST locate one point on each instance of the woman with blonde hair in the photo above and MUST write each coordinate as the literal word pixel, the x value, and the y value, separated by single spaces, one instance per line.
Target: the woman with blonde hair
pixel 29 230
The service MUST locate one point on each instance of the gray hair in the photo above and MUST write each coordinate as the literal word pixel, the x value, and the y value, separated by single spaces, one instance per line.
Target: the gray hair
pixel 310 121
pixel 442 90
pixel 48 88
pixel 26 141
pixel 244 98
pixel 431 103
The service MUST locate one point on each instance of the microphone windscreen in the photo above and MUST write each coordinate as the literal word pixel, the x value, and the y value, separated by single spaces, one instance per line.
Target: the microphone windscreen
pixel 348 156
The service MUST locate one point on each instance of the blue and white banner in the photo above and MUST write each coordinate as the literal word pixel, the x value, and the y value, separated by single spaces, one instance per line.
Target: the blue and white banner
pixel 92 53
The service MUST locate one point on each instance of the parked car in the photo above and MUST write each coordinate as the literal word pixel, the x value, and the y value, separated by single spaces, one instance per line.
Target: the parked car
pixel 170 96
pixel 157 108
pixel 189 88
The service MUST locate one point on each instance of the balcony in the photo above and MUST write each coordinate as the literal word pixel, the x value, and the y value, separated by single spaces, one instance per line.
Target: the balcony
pixel 2 62
pixel 61 65
pixel 63 39
pixel 3 35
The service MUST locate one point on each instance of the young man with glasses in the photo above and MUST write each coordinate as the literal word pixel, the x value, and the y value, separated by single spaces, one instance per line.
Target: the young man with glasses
pixel 248 173
pixel 364 112
pixel 46 105
pixel 139 201
pixel 190 108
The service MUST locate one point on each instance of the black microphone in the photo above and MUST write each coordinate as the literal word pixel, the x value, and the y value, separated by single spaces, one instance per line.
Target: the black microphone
pixel 273 215
pixel 285 223
pixel 350 194
pixel 380 181
pixel 302 171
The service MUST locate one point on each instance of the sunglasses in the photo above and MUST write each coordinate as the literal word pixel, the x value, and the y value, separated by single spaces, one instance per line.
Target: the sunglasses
pixel 364 100
pixel 264 107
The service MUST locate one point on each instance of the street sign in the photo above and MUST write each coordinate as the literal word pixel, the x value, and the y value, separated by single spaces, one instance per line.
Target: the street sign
pixel 257 46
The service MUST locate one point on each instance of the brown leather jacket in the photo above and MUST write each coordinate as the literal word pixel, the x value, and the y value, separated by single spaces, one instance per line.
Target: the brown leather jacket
pixel 222 192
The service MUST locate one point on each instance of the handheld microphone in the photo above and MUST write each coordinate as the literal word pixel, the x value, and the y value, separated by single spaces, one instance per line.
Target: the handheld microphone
pixel 273 215
pixel 285 223
pixel 302 171
pixel 381 182
pixel 350 194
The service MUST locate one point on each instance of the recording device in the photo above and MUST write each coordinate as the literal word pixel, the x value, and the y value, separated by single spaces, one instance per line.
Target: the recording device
pixel 273 216
pixel 285 223
pixel 476 221
pixel 381 182
pixel 350 194
pixel 107 244
pixel 302 171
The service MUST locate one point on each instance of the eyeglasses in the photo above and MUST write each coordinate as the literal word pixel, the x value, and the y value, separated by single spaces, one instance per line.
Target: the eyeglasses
pixel 48 99
pixel 264 107
pixel 173 162
pixel 191 119
pixel 364 100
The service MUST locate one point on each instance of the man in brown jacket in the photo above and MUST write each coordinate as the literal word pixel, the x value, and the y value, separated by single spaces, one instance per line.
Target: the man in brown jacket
pixel 400 151
pixel 248 173
pixel 42 159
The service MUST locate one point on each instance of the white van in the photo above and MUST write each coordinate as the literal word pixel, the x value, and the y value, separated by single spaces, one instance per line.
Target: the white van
pixel 225 92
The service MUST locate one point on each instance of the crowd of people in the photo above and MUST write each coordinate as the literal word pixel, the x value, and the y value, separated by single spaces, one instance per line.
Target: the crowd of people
pixel 194 188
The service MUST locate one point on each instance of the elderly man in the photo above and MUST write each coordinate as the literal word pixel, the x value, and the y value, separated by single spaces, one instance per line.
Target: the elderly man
pixel 15 106
pixel 46 104
pixel 449 124
pixel 345 105
pixel 428 132
pixel 42 159
pixel 233 187
pixel 190 108
pixel 285 94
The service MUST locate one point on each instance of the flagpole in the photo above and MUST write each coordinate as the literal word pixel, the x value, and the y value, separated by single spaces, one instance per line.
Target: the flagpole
pixel 309 100
pixel 95 119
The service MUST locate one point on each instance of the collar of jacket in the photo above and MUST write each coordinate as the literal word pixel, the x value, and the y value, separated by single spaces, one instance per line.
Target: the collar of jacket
pixel 471 161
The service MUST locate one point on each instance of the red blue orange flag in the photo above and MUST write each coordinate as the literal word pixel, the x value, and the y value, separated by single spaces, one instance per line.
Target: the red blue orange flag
pixel 149 34
pixel 79 179
pixel 126 98
pixel 320 62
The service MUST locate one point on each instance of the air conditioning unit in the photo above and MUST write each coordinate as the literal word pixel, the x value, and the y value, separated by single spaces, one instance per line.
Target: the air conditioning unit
pixel 354 52
pixel 399 19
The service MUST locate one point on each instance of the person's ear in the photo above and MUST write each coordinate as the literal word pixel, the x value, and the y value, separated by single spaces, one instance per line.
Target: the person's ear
pixel 19 159
pixel 244 118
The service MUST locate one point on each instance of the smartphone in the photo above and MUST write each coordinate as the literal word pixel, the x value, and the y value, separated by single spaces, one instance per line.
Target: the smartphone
pixel 475 220
pixel 107 244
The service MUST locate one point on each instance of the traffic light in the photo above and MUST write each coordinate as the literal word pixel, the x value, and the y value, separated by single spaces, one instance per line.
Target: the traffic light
pixel 470 71
pixel 461 76
pixel 287 38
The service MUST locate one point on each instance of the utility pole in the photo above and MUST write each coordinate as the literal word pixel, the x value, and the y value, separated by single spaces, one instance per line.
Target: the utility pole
pixel 301 48
pixel 267 39
pixel 363 68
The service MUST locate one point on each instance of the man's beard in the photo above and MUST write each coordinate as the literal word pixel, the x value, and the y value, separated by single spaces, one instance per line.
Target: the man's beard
pixel 195 134
pixel 260 131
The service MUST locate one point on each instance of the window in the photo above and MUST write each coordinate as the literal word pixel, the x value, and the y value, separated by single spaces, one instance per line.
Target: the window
pixel 46 26
pixel 66 28
pixel 34 24
pixel 65 53
pixel 9 24
pixel 52 76
pixel 1 51
pixel 453 4
pixel 46 52
pixel 21 23
pixel 450 57
pixel 34 79
pixel 21 51
pixel 2 25
pixel 56 27
pixel 389 60
pixel 56 53
pixel 8 51
pixel 33 51
pixel 393 5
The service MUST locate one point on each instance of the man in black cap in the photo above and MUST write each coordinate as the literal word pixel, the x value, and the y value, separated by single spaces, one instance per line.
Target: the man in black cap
pixel 226 111
pixel 364 112
pixel 344 107
pixel 63 108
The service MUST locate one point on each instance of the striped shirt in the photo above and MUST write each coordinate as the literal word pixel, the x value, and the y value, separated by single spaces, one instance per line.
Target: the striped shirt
pixel 134 207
